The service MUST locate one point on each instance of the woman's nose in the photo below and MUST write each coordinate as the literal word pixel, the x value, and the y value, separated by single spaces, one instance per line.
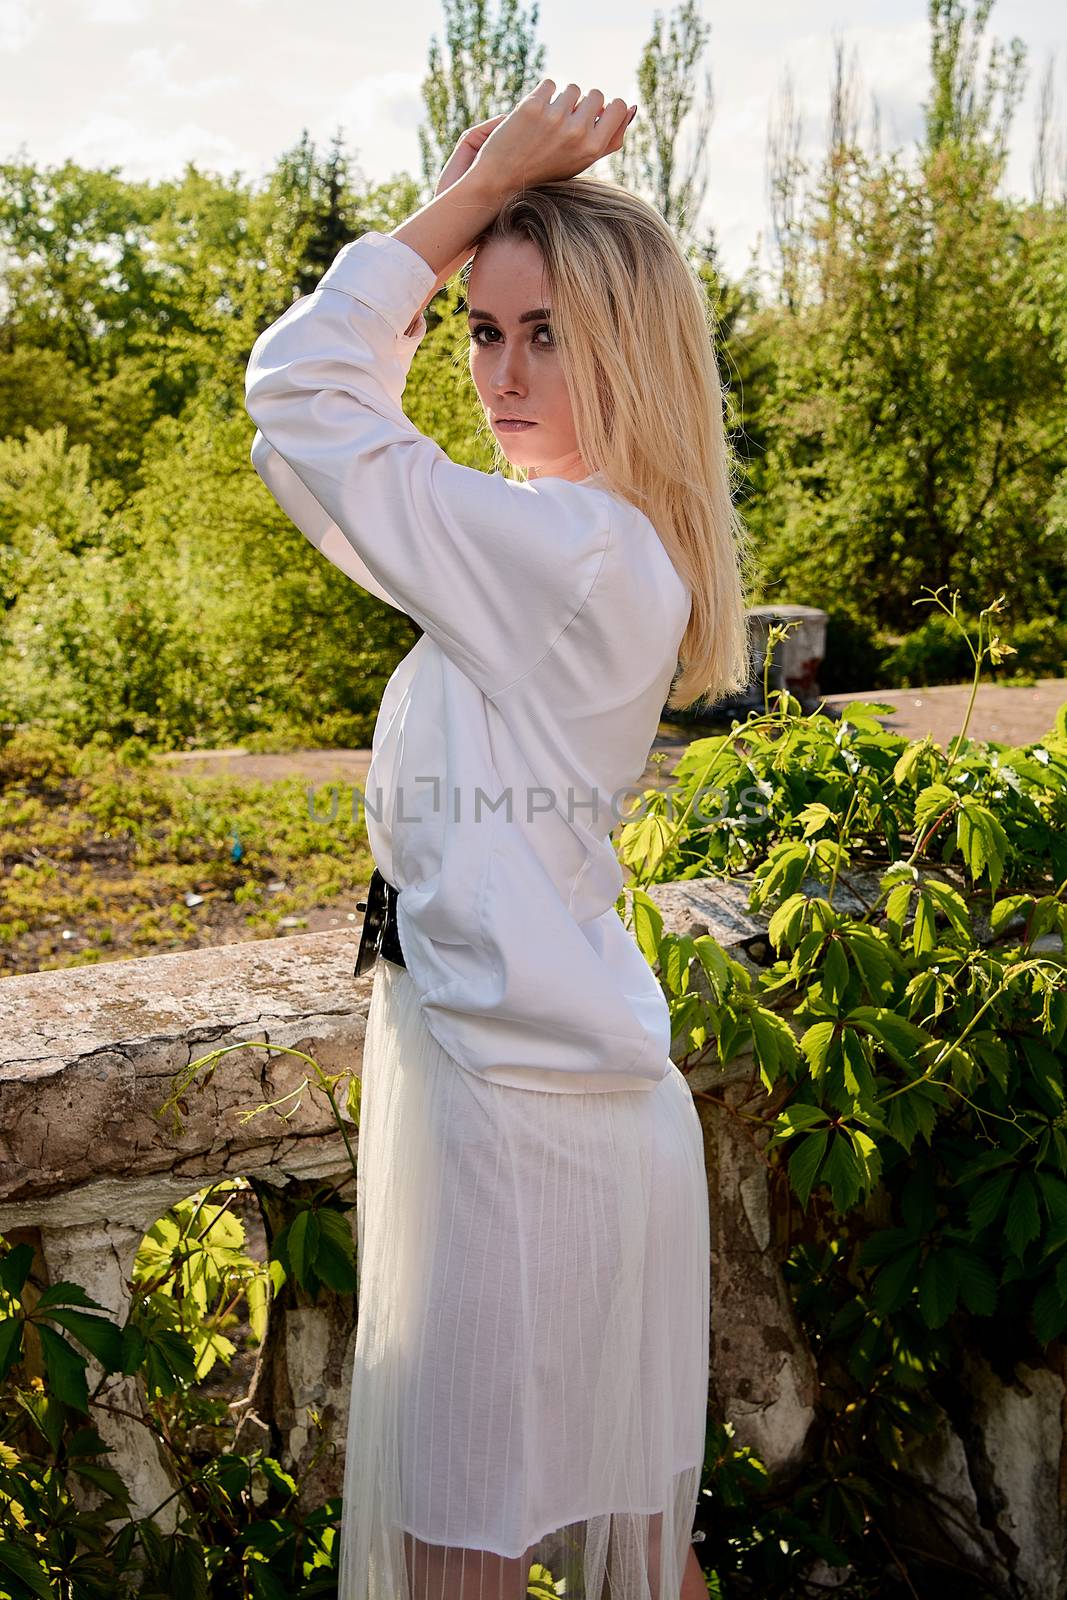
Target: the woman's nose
pixel 509 374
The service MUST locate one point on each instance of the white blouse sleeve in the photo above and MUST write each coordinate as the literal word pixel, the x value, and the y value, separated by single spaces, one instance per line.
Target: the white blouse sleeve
pixel 302 509
pixel 493 570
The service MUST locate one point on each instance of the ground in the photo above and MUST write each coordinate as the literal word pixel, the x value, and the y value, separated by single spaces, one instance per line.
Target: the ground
pixel 113 866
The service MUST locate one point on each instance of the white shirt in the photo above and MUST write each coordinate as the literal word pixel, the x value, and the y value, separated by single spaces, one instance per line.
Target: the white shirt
pixel 514 734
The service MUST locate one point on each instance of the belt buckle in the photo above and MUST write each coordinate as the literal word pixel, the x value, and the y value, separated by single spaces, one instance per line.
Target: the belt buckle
pixel 374 913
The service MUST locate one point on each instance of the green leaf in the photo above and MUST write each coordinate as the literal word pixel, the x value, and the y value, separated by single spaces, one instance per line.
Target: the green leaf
pixel 1046 1073
pixel 908 761
pixel 276 1477
pixel 952 905
pixel 100 1337
pixel 931 803
pixel 782 872
pixel 647 928
pixel 335 1268
pixel 716 965
pixel 1050 1311
pixel 873 959
pixel 257 1296
pixel 863 714
pixel 169 1361
pixel 65 1369
pixel 105 1478
pixel 833 973
pixel 986 1205
pixel 805 1161
pixel 1006 909
pixel 15 1269
pixel 133 1348
pixel 814 816
pixel 21 1564
pixel 85 1441
pixel 211 1346
pixel 10 1343
pixel 787 922
pixel 1023 1223
pixel 983 842
pixel 774 1043
pixel 896 1280
pixel 844 1173
pixel 896 906
pixel 815 1042
pixel 901 1038
pixel 187 1568
pixel 1054 1193
pixel 978 1282
pixel 924 928
pixel 675 956
pixel 66 1294
pixel 303 1244
pixel 883 1246
pixel 47 1414
pixel 857 1068
pixel 797 1119
pixel 938 1288
pixel 902 1119
pixel 266 1585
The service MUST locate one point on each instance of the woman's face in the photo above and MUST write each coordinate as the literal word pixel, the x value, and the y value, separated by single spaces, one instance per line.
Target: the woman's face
pixel 514 362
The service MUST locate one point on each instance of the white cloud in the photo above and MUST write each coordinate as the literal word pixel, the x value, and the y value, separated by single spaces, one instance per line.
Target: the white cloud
pixel 17 25
pixel 375 106
pixel 117 11
pixel 117 141
pixel 150 68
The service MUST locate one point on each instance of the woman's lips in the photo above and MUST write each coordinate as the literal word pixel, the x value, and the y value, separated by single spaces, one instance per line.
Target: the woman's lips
pixel 508 426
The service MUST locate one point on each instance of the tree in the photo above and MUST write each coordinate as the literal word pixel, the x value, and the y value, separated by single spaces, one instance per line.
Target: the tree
pixel 964 109
pixel 489 67
pixel 651 162
pixel 920 432
pixel 1048 171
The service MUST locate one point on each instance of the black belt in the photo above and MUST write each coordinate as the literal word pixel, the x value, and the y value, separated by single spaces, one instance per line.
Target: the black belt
pixel 380 936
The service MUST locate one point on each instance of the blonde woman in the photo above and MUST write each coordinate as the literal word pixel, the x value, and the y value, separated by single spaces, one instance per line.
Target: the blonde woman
pixel 529 1383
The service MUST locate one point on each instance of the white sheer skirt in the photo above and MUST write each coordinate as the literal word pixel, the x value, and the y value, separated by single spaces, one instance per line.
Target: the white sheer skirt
pixel 529 1386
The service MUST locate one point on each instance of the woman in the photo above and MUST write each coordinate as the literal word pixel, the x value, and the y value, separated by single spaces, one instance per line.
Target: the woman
pixel 530 1375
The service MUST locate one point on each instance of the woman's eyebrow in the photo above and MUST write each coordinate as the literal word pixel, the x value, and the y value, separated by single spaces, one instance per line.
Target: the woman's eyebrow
pixel 526 316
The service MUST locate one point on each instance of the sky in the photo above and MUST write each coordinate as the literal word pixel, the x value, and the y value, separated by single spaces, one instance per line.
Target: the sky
pixel 143 86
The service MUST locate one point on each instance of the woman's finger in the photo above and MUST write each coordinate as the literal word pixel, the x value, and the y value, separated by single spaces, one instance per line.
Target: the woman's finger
pixel 567 98
pixel 613 123
pixel 490 122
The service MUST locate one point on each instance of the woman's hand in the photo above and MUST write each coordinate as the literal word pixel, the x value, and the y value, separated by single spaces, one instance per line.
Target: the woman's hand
pixel 549 136
pixel 466 149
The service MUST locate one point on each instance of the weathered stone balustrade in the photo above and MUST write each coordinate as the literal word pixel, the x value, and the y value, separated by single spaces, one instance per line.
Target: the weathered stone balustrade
pixel 87 1165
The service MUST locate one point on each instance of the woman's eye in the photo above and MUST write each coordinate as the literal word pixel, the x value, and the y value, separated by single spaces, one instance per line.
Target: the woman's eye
pixel 487 327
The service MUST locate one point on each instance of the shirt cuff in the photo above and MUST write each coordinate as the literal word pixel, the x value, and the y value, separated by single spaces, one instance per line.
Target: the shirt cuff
pixel 386 274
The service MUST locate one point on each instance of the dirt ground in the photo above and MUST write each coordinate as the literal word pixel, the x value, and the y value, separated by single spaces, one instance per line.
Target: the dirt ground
pixel 1003 713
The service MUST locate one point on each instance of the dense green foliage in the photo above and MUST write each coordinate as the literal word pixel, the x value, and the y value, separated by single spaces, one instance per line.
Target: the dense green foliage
pixel 238 1527
pixel 914 418
pixel 898 404
pixel 906 1025
pixel 150 585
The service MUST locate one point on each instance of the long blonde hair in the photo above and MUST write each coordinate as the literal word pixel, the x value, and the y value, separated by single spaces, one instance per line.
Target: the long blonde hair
pixel 636 337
